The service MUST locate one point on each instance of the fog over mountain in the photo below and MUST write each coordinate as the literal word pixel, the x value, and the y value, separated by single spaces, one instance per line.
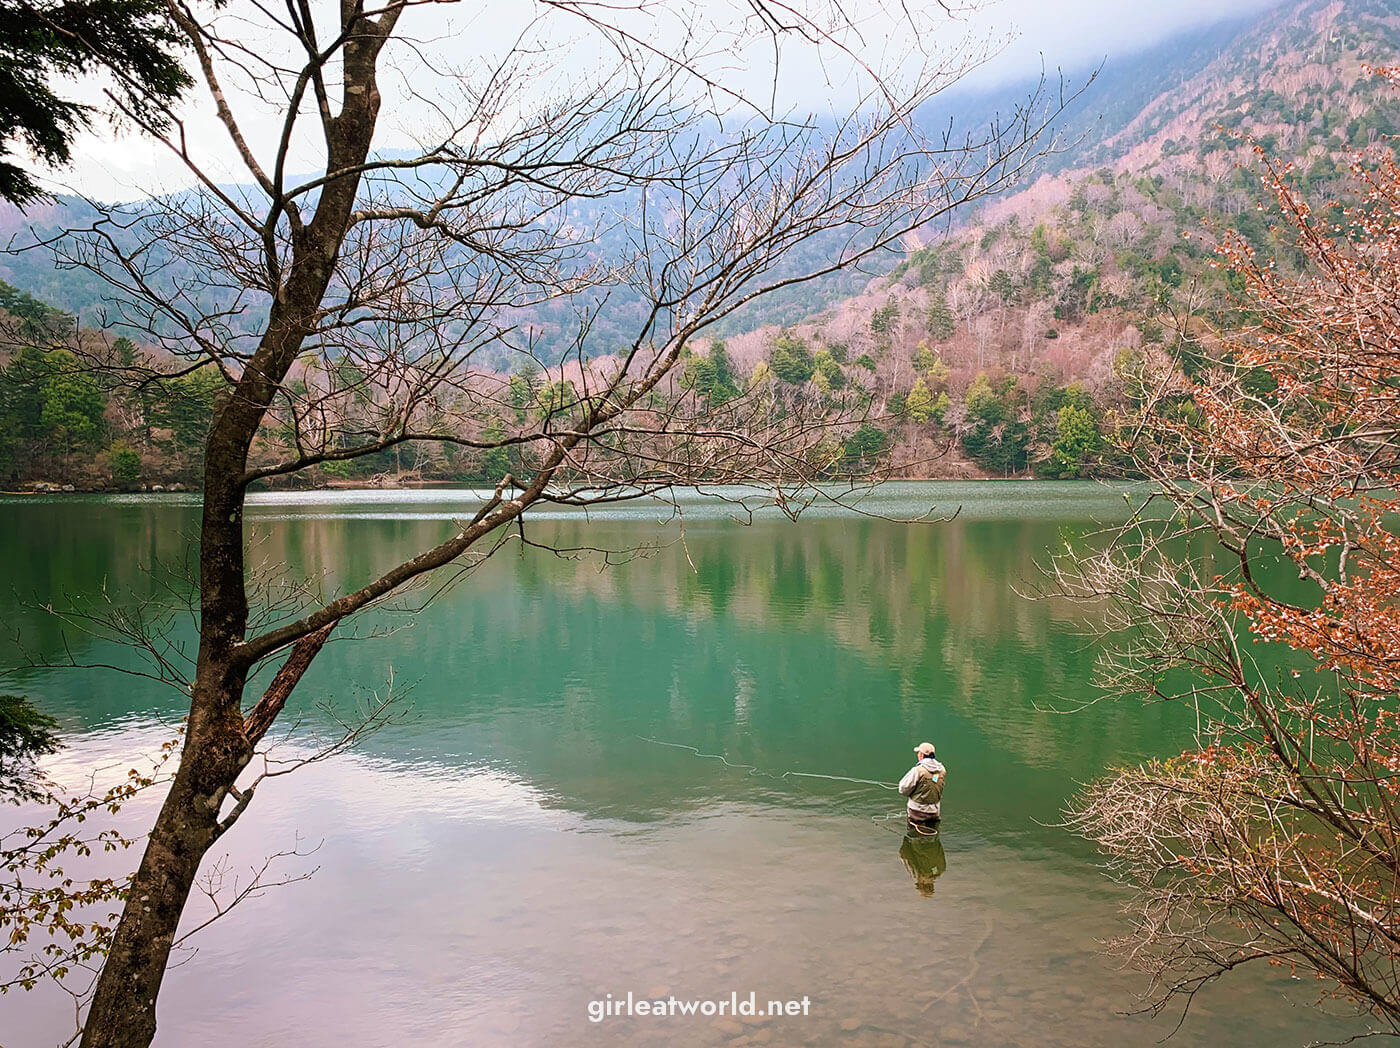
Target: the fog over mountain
pixel 1003 309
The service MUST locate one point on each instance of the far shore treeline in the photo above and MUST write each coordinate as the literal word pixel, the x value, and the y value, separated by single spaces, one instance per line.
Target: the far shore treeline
pixel 65 423
pixel 1007 347
pixel 991 354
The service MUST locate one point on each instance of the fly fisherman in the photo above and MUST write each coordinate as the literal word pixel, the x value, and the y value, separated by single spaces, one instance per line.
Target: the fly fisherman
pixel 923 785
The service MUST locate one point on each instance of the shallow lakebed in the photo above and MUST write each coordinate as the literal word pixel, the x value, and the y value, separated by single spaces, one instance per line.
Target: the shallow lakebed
pixel 541 825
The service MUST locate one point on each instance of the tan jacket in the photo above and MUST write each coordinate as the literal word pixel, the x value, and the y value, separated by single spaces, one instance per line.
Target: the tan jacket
pixel 923 785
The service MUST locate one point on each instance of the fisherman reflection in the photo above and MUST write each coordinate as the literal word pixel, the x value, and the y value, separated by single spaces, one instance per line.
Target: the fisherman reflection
pixel 922 855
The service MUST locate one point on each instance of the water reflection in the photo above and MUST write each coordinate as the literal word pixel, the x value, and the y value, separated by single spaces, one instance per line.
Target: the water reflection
pixel 514 847
pixel 800 647
pixel 921 851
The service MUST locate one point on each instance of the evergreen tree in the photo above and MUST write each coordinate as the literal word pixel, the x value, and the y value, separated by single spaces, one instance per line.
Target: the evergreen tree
pixel 939 321
pixel 919 403
pixel 186 409
pixel 882 320
pixel 50 403
pixel 828 373
pixel 998 438
pixel 1077 439
pixel 712 377
pixel 791 360
pixel 40 323
pixel 864 448
pixel 125 463
pixel 42 44
pixel 73 404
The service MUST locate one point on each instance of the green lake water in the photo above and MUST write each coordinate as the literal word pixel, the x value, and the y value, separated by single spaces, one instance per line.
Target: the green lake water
pixel 535 830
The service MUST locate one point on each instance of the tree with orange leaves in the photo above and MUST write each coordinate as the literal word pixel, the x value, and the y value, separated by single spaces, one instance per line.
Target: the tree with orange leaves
pixel 1268 598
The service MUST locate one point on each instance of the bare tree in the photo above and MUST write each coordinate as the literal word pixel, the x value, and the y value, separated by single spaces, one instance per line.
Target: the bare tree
pixel 1260 586
pixel 369 307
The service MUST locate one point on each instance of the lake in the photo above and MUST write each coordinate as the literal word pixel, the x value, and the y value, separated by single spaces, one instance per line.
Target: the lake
pixel 548 819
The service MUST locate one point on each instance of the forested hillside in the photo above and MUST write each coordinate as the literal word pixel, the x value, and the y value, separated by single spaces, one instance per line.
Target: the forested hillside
pixel 1106 100
pixel 1009 340
pixel 1001 348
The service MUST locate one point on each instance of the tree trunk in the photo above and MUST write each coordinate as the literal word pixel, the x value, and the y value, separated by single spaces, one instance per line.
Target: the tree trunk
pixel 123 1009
pixel 217 745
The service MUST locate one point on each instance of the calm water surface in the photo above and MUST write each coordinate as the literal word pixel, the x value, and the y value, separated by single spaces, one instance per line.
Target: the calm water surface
pixel 532 832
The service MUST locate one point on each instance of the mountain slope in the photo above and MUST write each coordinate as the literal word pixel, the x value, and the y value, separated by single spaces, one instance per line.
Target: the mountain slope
pixel 1104 109
pixel 1061 285
pixel 1005 340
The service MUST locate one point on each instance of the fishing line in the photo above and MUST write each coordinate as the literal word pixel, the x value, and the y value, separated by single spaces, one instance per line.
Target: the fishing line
pixel 753 770
pixel 840 778
pixel 710 756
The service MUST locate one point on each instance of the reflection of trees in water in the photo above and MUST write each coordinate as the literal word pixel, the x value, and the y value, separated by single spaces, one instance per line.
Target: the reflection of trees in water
pixel 820 645
pixel 930 612
pixel 72 549
pixel 936 605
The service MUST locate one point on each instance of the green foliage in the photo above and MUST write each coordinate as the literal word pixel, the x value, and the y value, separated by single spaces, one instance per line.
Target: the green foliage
pixel 1260 382
pixel 524 387
pixel 341 469
pixel 931 262
pixel 20 405
pixel 1040 279
pixel 712 377
pixel 883 319
pixel 25 735
pixel 939 322
pixel 125 463
pixel 73 404
pixel 557 397
pixel 919 404
pixel 828 373
pixel 1077 439
pixel 46 44
pixel 49 404
pixel 980 397
pixel 932 366
pixel 1323 171
pixel 864 448
pixel 1003 286
pixel 39 321
pixel 496 462
pixel 185 409
pixel 997 437
pixel 791 360
pixel 866 361
pixel 1080 296
pixel 1049 245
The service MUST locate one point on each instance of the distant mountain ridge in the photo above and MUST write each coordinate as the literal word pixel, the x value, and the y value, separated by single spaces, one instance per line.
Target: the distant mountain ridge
pixel 1048 297
pixel 1003 347
pixel 1104 108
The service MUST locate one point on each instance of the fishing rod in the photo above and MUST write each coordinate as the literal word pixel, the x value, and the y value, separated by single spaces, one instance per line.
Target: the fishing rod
pixel 752 769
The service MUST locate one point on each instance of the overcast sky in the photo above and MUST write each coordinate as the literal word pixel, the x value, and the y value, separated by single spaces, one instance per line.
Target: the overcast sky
pixel 1073 33
pixel 1069 34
